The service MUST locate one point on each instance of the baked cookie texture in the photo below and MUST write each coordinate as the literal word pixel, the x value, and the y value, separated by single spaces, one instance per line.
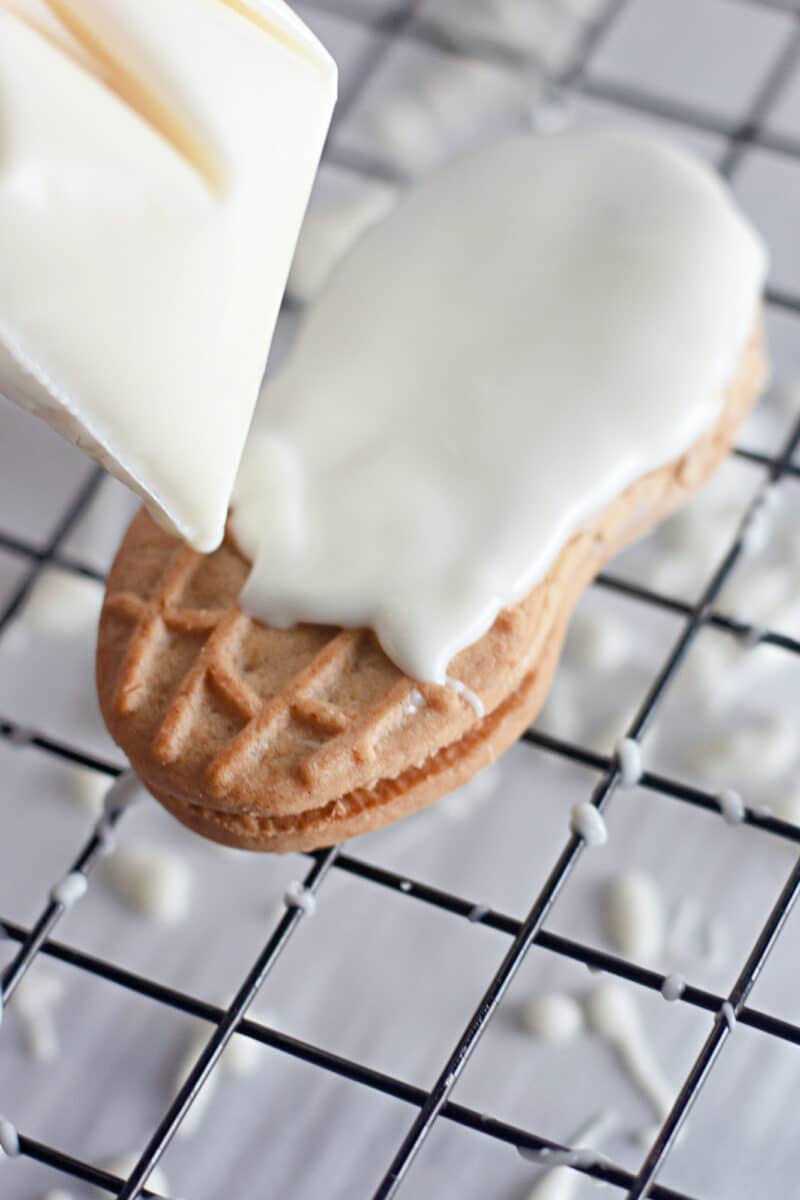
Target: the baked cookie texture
pixel 273 739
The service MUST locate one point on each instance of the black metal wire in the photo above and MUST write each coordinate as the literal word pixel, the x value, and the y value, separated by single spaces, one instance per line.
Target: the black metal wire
pixel 403 20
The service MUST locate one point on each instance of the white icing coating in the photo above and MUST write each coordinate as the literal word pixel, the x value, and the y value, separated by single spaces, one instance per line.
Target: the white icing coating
pixel 673 987
pixel 332 225
pixel 450 414
pixel 569 1158
pixel 34 1000
pixel 69 890
pixel 613 1015
pixel 415 702
pixel 151 880
pixel 299 896
pixel 629 757
pixel 157 160
pixel 472 699
pixel 731 806
pixel 9 1139
pixel 586 822
pixel 634 915
pixel 553 1017
pixel 729 1014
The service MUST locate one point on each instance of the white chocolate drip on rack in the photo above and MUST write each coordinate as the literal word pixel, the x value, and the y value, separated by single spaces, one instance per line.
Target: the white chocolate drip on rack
pixel 613 1015
pixel 529 331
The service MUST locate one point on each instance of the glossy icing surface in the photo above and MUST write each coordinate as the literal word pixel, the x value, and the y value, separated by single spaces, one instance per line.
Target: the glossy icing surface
pixel 528 332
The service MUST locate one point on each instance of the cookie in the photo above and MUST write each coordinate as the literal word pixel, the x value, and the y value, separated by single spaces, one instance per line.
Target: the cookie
pixel 275 739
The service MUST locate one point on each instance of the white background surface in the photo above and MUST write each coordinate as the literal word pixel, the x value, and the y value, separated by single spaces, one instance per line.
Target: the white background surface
pixel 374 975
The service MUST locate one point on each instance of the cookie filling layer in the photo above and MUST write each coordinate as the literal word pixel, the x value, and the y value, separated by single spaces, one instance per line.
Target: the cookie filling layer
pixel 156 163
pixel 528 332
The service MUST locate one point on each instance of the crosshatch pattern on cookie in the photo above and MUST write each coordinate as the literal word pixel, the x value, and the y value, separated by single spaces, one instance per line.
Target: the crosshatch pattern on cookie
pixel 326 692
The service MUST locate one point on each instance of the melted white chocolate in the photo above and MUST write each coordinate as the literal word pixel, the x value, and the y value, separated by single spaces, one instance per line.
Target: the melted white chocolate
pixel 529 331
pixel 155 163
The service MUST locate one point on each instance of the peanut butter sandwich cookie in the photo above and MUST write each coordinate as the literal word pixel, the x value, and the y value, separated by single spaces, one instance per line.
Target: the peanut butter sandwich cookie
pixel 535 357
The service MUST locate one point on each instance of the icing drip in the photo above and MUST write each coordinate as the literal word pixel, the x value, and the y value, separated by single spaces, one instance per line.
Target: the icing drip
pixel 298 896
pixel 613 1015
pixel 586 822
pixel 553 1017
pixel 629 757
pixel 635 915
pixel 69 890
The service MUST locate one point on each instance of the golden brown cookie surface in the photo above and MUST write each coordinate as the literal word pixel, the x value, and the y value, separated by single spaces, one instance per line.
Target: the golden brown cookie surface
pixel 291 739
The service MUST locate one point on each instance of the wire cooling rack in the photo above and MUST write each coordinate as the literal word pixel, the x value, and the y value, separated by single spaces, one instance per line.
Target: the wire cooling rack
pixel 428 1106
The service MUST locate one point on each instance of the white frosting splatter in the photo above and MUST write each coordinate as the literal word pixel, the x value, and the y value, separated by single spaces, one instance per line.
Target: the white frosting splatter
pixel 729 1014
pixel 673 987
pixel 69 890
pixel 88 789
pixel 34 1001
pixel 299 896
pixel 9 1139
pixel 586 822
pixel 561 1182
pixel 634 915
pixel 472 699
pixel 553 1017
pixel 150 879
pixel 613 1015
pixel 731 806
pixel 629 757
